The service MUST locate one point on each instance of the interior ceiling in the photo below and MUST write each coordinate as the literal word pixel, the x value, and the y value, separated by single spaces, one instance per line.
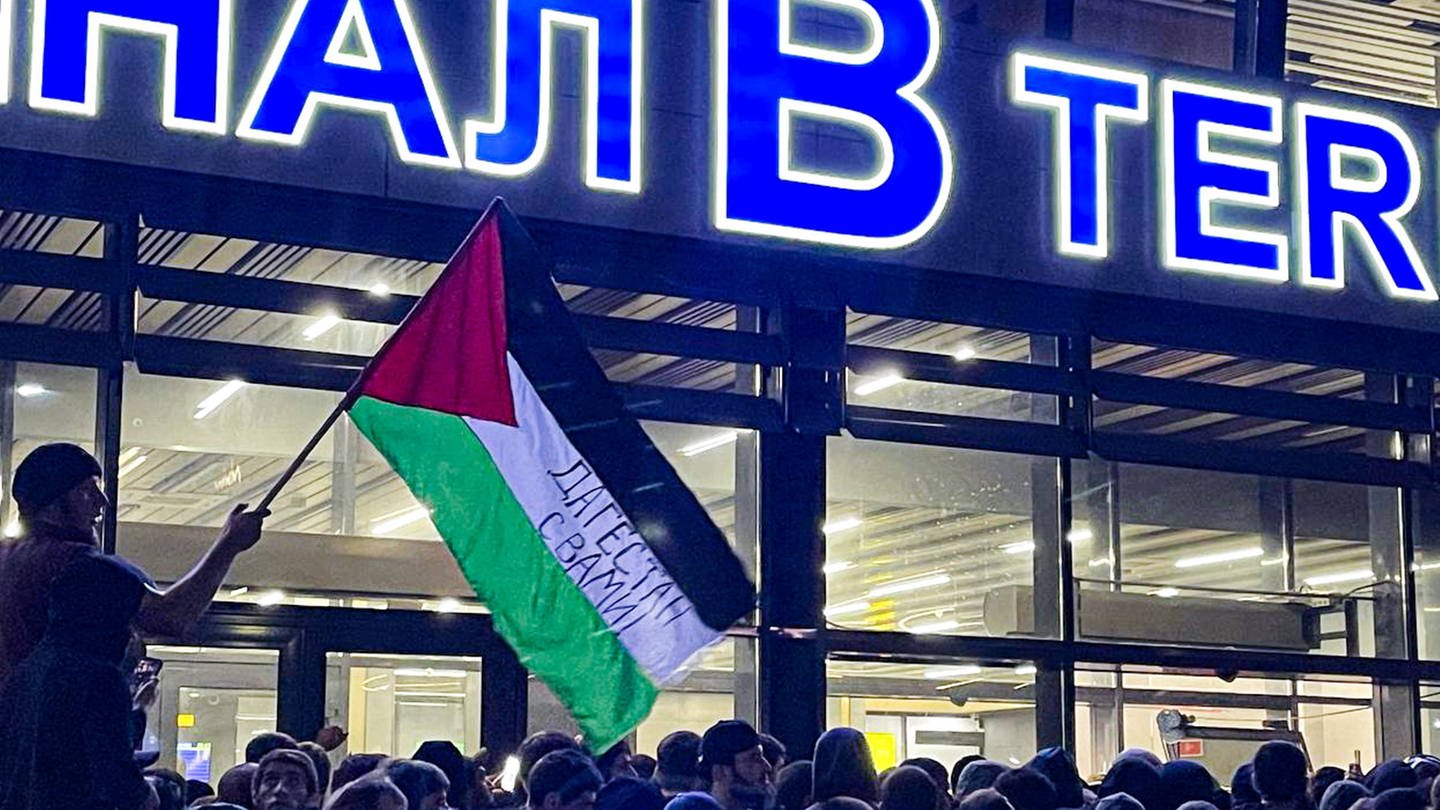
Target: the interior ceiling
pixel 977 549
pixel 1380 48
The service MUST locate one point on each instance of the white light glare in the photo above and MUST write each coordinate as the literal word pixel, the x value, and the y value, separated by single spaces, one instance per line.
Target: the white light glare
pixel 380 290
pixel 934 627
pixel 1080 536
pixel 1220 557
pixel 324 324
pixel 399 520
pixel 1358 575
pixel 12 529
pixel 510 774
pixel 711 443
pixel 447 605
pixel 878 384
pixel 943 673
pixel 837 567
pixel 270 598
pixel 29 390
pixel 964 352
pixel 132 465
pixel 1166 593
pixel 847 609
pixel 208 405
pixel 908 585
pixel 843 524
pixel 1019 548
pixel 1025 669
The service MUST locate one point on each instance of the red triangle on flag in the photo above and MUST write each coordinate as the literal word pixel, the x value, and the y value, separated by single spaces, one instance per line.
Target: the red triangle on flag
pixel 449 353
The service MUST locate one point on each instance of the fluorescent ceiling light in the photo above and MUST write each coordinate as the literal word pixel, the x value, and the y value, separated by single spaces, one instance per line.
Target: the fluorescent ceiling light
pixel 1220 557
pixel 942 673
pixel 269 598
pixel 1019 548
pixel 964 352
pixel 1080 536
pixel 399 520
pixel 236 593
pixel 837 567
pixel 843 524
pixel 324 324
pixel 380 290
pixel 447 605
pixel 28 390
pixel 1025 669
pixel 711 443
pixel 132 464
pixel 1166 593
pixel 934 627
pixel 847 609
pixel 208 405
pixel 1358 575
pixel 877 384
pixel 908 585
pixel 1100 562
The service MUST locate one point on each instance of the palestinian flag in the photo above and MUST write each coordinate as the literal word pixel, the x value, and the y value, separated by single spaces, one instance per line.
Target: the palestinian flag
pixel 600 567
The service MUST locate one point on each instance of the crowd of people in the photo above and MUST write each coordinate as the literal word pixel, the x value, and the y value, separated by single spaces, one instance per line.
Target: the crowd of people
pixel 733 767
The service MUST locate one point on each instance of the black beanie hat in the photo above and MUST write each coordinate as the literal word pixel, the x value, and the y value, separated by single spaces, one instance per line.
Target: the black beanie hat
pixel 1281 771
pixel 50 471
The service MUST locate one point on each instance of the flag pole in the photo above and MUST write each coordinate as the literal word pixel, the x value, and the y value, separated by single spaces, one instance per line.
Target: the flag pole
pixel 305 451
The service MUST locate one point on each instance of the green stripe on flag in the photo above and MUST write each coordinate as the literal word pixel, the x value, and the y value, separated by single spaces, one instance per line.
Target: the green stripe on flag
pixel 553 628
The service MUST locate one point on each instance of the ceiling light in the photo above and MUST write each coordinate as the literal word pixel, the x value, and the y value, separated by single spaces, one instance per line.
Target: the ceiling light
pixel 398 520
pixel 847 609
pixel 837 567
pixel 28 390
pixel 1166 593
pixel 12 529
pixel 447 605
pixel 1100 562
pixel 1025 669
pixel 269 598
pixel 239 592
pixel 208 405
pixel 1019 548
pixel 888 380
pixel 944 673
pixel 711 443
pixel 1219 557
pixel 380 290
pixel 324 324
pixel 964 352
pixel 843 524
pixel 908 585
pixel 1080 536
pixel 934 627
pixel 131 465
pixel 1358 575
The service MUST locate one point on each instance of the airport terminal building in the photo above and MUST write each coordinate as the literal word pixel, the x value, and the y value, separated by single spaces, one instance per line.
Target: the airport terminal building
pixel 1062 370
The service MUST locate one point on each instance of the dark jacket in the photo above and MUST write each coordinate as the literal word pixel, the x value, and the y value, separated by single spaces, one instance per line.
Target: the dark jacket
pixel 65 710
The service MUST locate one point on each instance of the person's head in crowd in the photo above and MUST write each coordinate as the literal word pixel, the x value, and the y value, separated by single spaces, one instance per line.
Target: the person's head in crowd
pixel 1280 775
pixel 321 761
pixel 1139 753
pixel 1399 799
pixel 842 803
pixel 1243 795
pixel 793 785
pixel 263 743
pixel 909 788
pixel 844 767
pixel 978 774
pixel 1427 766
pixel 566 779
pixel 1342 795
pixel 1119 801
pixel 959 768
pixel 985 799
pixel 1391 774
pixel 284 780
pixel 169 788
pixel 677 763
pixel 629 793
pixel 1028 789
pixel 934 770
pixel 774 751
pixel 424 785
pixel 618 761
pixel 234 785
pixel 446 756
pixel 536 747
pixel 1197 804
pixel 1059 767
pixel 371 791
pixel 1185 780
pixel 1136 776
pixel 355 766
pixel 733 764
pixel 694 800
pixel 644 765
pixel 1321 780
pixel 196 790
pixel 58 485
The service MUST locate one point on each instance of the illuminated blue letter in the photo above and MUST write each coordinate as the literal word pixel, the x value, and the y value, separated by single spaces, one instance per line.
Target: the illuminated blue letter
pixel 872 91
pixel 1198 177
pixel 1333 202
pixel 1083 99
pixel 381 70
pixel 513 140
pixel 65 56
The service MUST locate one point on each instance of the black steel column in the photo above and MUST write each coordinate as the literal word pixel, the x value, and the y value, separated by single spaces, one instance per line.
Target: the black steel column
pixel 1270 25
pixel 122 243
pixel 750 381
pixel 792 511
pixel 300 702
pixel 7 438
pixel 1247 31
pixel 1050 522
pixel 504 700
